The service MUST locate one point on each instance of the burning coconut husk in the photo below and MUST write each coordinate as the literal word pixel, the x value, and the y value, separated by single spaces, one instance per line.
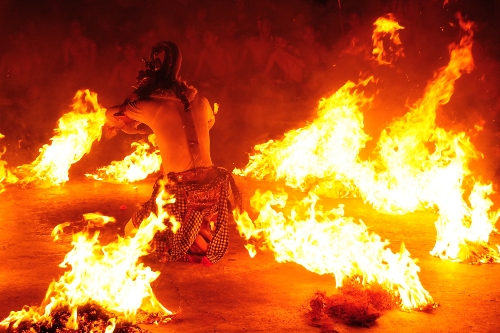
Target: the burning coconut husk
pixel 91 318
pixel 106 286
pixel 353 305
pixel 324 241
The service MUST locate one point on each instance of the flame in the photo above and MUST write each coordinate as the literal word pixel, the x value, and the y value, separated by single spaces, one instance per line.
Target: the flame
pixel 386 25
pixel 108 275
pixel 76 132
pixel 5 174
pixel 135 167
pixel 325 149
pixel 416 164
pixel 326 242
pixel 422 166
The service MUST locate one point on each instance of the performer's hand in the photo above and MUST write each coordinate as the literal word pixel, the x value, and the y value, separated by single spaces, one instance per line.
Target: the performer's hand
pixel 132 129
pixel 109 131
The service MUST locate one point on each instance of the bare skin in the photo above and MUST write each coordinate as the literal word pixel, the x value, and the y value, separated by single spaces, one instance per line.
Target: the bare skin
pixel 287 59
pixel 161 114
pixel 313 53
pixel 214 61
pixel 258 49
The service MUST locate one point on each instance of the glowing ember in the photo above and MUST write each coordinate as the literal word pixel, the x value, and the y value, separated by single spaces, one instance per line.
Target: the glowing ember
pixel 5 175
pixel 386 25
pixel 136 166
pixel 76 132
pixel 326 242
pixel 416 164
pixel 107 275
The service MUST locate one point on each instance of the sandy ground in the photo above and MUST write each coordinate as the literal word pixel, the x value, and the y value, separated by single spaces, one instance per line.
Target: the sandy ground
pixel 239 293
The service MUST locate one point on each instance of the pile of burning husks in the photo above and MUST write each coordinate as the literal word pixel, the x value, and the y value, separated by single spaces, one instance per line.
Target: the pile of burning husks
pixel 106 289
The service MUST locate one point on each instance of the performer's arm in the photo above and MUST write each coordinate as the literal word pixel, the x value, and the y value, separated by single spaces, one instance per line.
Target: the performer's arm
pixel 209 112
pixel 117 120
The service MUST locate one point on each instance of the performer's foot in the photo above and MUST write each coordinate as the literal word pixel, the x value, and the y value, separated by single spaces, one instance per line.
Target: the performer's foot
pixel 207 236
pixel 199 247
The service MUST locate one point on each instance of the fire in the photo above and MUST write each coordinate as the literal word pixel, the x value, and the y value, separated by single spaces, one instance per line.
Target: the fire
pixel 422 166
pixel 324 150
pixel 108 275
pixel 76 132
pixel 135 167
pixel 386 25
pixel 326 242
pixel 5 174
pixel 415 166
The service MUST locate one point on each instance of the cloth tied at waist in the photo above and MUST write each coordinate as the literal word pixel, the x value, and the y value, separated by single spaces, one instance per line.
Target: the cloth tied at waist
pixel 194 175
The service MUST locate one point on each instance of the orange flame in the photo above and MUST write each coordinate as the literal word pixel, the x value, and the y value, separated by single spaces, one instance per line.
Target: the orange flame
pixel 325 242
pixel 386 25
pixel 326 149
pixel 76 132
pixel 108 275
pixel 135 167
pixel 416 164
pixel 5 174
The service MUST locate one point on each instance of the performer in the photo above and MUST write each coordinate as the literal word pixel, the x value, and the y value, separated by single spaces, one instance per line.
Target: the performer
pixel 181 120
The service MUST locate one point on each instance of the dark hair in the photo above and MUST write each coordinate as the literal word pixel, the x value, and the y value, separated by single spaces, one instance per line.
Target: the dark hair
pixel 160 76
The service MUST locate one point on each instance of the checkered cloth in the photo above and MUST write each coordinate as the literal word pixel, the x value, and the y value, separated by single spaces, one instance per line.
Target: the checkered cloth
pixel 174 247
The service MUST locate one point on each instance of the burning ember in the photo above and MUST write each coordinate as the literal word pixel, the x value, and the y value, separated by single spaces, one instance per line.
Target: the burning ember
pixel 355 305
pixel 415 166
pixel 76 132
pixel 106 286
pixel 135 167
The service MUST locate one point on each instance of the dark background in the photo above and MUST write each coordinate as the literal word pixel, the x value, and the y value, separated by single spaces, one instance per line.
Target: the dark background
pixel 37 85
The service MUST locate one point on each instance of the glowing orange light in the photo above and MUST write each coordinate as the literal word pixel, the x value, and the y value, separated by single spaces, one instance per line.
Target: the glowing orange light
pixel 136 166
pixel 386 25
pixel 76 132
pixel 108 275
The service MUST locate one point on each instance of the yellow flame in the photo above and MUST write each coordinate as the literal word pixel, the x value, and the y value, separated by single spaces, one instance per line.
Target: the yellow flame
pixel 325 149
pixel 387 25
pixel 97 219
pixel 135 167
pixel 326 242
pixel 76 132
pixel 108 275
pixel 415 166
